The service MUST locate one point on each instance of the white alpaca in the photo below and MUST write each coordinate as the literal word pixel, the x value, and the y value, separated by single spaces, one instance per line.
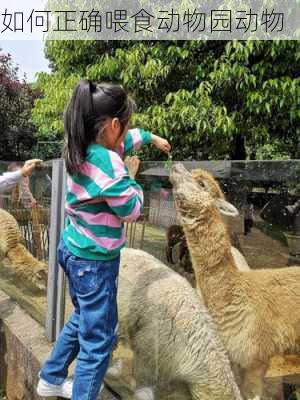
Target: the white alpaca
pixel 173 337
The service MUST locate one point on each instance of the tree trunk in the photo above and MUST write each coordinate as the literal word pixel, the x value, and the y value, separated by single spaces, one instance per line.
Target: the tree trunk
pixel 239 151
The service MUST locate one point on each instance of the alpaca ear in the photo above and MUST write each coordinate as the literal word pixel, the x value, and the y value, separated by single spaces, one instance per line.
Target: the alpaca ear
pixel 226 208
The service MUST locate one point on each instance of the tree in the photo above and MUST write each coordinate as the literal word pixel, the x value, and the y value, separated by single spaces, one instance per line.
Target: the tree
pixel 16 102
pixel 212 100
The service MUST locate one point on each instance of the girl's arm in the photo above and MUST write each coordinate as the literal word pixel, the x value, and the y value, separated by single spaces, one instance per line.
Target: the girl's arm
pixel 134 140
pixel 137 137
pixel 123 194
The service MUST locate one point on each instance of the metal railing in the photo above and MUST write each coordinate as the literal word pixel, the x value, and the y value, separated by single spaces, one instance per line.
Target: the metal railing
pixel 56 278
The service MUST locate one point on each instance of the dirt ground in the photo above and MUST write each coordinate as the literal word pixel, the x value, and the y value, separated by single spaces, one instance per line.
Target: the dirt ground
pixel 260 249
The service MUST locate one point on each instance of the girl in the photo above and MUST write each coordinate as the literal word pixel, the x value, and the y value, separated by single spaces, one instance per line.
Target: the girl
pixel 101 194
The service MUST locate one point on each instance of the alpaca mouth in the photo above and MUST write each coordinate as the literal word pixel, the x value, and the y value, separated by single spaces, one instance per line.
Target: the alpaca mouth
pixel 181 204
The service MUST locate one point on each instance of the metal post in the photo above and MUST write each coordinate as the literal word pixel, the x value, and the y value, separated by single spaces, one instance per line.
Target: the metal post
pixel 61 279
pixel 55 230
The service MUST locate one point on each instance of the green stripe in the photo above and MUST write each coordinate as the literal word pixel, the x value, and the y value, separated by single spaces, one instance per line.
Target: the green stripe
pixel 100 158
pixel 95 208
pixel 90 186
pixel 71 198
pixel 128 142
pixel 101 230
pixel 126 209
pixel 146 135
pixel 88 249
pixel 119 187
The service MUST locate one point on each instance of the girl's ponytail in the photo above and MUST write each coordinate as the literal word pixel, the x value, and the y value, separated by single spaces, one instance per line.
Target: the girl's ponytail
pixel 76 115
pixel 85 115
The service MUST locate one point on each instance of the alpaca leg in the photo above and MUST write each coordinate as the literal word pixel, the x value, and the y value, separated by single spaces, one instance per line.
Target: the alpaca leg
pixel 253 381
pixel 115 369
pixel 144 393
pixel 144 376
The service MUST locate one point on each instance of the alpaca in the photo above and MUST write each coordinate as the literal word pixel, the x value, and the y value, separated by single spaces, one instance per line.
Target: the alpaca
pixel 258 311
pixel 161 317
pixel 15 257
pixel 163 320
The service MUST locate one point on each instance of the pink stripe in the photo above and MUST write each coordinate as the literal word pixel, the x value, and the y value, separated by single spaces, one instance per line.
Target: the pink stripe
pixel 136 212
pixel 123 197
pixel 107 243
pixel 140 193
pixel 96 219
pixel 118 164
pixel 78 190
pixel 96 174
pixel 113 182
pixel 136 138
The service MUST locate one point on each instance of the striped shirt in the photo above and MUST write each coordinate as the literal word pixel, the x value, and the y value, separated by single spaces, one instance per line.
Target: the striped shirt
pixel 100 199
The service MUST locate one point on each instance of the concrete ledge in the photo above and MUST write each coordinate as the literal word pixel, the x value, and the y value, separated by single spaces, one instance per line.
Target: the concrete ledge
pixel 23 349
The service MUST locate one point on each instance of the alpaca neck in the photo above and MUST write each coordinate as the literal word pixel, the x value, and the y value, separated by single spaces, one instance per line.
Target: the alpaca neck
pixel 210 250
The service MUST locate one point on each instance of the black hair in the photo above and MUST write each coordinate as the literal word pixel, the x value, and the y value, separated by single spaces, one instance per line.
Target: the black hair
pixel 91 104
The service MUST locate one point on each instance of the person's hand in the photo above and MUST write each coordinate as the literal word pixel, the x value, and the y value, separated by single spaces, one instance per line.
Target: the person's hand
pixel 132 163
pixel 161 144
pixel 29 166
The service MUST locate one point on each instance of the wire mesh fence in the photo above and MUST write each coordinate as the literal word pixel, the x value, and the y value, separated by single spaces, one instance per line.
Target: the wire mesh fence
pixel 270 186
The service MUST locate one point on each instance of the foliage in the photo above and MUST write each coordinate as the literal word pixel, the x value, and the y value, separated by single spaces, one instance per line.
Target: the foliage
pixel 16 102
pixel 2 394
pixel 295 396
pixel 212 100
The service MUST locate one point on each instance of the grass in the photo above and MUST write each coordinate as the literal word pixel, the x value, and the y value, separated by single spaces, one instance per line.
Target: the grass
pixel 295 396
pixel 154 240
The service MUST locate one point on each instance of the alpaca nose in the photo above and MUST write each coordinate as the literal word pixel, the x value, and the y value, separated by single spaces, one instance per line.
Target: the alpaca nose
pixel 178 168
pixel 179 175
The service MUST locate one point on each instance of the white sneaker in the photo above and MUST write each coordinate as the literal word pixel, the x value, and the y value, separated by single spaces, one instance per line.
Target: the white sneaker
pixel 145 393
pixel 45 389
pixel 100 392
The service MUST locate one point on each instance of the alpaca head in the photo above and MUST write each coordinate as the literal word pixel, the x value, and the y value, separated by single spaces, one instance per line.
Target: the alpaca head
pixel 204 178
pixel 194 192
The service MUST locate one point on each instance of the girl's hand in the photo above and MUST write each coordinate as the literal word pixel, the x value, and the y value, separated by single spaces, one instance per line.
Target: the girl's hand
pixel 161 144
pixel 132 163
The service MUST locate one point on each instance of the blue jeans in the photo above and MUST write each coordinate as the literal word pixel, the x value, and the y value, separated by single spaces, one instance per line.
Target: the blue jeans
pixel 91 332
